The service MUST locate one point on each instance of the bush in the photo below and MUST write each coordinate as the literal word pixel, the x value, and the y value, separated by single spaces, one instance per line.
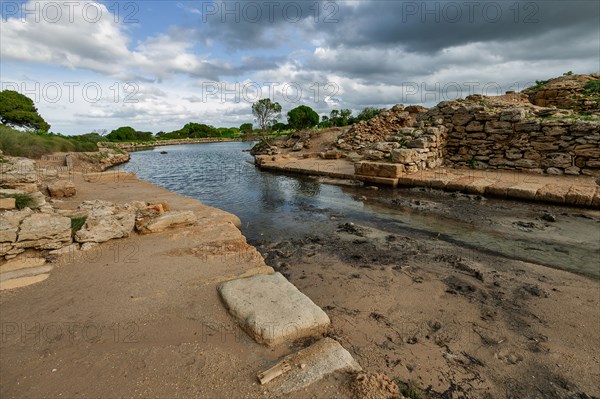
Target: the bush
pixel 21 200
pixel 593 87
pixel 34 145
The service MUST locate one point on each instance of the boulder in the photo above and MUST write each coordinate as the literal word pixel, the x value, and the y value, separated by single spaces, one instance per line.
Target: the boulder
pixel 19 171
pixel 62 188
pixel 101 227
pixel 44 231
pixel 146 225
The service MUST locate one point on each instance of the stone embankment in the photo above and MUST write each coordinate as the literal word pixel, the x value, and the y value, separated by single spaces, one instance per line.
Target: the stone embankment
pixel 36 237
pixel 133 146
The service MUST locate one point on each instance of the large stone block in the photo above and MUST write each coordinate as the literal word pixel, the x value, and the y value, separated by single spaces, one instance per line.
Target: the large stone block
pixel 379 169
pixel 272 310
pixel 405 155
pixel 44 231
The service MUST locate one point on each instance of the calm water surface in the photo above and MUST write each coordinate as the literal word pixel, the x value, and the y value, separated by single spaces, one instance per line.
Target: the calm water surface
pixel 274 207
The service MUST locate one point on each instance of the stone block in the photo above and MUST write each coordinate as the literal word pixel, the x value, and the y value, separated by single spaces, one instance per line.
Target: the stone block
pixel 272 310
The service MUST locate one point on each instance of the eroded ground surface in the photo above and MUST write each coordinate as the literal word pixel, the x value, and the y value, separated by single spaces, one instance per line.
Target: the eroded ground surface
pixel 459 320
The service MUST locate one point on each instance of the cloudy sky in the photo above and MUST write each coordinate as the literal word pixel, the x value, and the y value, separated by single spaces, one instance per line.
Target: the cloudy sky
pixel 156 65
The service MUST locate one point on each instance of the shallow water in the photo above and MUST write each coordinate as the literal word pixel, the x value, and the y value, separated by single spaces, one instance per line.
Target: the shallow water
pixel 274 207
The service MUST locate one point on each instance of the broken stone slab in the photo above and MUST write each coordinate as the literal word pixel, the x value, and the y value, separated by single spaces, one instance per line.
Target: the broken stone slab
pixel 62 188
pixel 165 221
pixel 580 195
pixel 22 282
pixel 105 228
pixel 25 272
pixel 312 364
pixel 44 231
pixel 272 310
pixel 525 190
pixel 21 263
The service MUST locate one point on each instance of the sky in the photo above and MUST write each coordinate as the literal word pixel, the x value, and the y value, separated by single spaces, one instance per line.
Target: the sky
pixel 156 65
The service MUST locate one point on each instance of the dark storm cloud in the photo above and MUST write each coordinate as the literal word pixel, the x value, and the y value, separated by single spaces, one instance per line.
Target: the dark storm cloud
pixel 429 26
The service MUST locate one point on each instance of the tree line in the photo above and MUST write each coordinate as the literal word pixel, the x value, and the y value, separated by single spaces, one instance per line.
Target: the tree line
pixel 18 110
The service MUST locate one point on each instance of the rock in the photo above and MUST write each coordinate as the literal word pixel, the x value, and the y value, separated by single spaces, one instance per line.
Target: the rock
pixel 271 310
pixel 598 181
pixel 103 227
pixel 312 364
pixel 548 217
pixel 298 146
pixel 44 231
pixel 572 170
pixel 19 171
pixel 62 188
pixel 68 250
pixel 554 171
pixel 404 155
pixel 380 169
pixel 7 203
pixel 22 263
pixel 25 272
pixel 147 225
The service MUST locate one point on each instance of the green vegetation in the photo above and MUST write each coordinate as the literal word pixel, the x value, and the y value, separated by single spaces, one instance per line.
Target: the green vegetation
pixel 246 128
pixel 410 390
pixel 539 84
pixel 18 110
pixel 302 117
pixel 266 113
pixel 77 223
pixel 127 133
pixel 570 73
pixel 36 144
pixel 21 200
pixel 592 87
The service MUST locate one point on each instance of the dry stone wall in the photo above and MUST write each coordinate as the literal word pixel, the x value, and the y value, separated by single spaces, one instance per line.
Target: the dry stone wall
pixel 522 137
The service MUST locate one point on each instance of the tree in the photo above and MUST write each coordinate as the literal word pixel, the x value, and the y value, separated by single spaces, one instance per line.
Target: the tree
pixel 302 117
pixel 246 128
pixel 368 113
pixel 124 133
pixel 18 110
pixel 265 112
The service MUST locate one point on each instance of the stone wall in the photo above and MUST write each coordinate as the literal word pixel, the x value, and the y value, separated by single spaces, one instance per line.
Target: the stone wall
pixel 522 137
pixel 566 92
pixel 504 132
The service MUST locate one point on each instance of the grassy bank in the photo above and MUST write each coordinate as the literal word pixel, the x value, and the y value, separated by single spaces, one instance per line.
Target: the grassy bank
pixel 34 145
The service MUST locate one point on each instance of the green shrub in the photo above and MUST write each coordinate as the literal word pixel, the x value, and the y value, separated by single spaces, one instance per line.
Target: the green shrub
pixel 21 200
pixel 592 87
pixel 410 390
pixel 35 144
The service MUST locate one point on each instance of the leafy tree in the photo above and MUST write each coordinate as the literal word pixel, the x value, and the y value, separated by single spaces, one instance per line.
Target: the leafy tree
pixel 368 113
pixel 279 127
pixel 18 110
pixel 302 117
pixel 265 112
pixel 246 128
pixel 123 133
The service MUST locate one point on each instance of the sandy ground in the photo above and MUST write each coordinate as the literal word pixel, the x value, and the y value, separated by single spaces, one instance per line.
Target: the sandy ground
pixel 141 317
pixel 138 317
pixel 457 321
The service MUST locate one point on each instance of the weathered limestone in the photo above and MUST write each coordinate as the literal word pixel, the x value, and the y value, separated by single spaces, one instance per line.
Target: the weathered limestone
pixel 105 221
pixel 165 221
pixel 7 203
pixel 272 310
pixel 62 188
pixel 378 169
pixel 44 231
pixel 312 364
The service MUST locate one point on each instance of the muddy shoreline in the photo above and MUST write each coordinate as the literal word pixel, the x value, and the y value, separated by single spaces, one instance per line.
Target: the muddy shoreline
pixel 456 320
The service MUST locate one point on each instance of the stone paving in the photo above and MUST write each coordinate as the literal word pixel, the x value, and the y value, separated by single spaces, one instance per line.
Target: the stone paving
pixel 564 190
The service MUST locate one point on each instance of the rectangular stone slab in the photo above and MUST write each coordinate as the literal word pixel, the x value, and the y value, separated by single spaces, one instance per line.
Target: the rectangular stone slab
pixel 311 364
pixel 272 310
